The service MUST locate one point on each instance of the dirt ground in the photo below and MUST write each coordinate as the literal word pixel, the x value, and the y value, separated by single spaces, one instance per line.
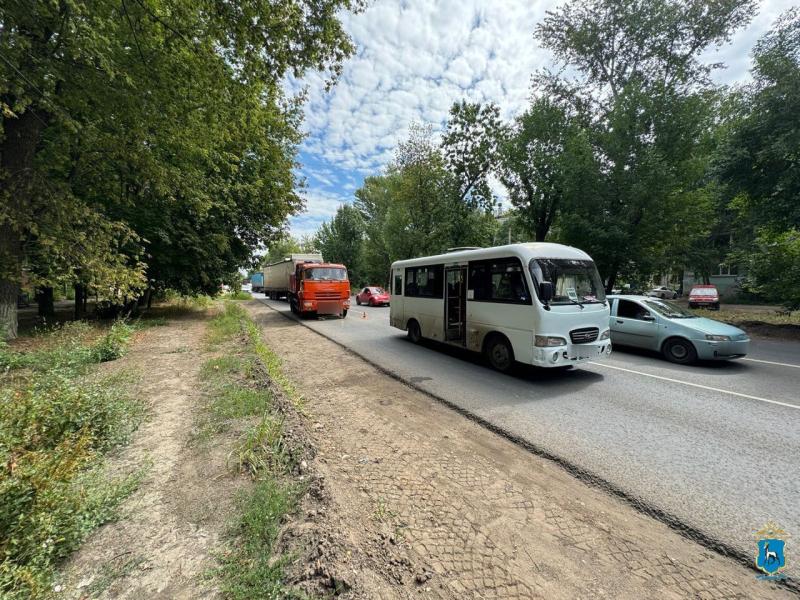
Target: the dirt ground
pixel 406 498
pixel 163 545
pixel 415 500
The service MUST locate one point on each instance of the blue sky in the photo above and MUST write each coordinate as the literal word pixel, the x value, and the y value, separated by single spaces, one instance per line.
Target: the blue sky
pixel 414 58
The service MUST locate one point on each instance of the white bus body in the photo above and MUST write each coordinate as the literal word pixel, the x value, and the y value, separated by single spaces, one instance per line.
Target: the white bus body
pixel 488 300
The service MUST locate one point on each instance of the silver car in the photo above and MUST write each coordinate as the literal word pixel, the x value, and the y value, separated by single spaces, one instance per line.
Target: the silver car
pixel 675 332
pixel 663 292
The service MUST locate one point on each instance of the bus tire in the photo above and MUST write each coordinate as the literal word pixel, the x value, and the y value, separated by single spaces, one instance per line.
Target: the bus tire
pixel 499 353
pixel 414 332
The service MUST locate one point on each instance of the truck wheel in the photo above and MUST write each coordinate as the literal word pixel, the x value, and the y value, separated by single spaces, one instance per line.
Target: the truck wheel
pixel 679 351
pixel 344 313
pixel 500 354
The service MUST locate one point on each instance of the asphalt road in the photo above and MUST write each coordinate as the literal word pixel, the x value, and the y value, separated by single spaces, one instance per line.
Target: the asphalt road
pixel 715 445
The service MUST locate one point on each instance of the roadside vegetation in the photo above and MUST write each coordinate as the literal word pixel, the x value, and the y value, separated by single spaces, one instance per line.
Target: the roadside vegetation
pixel 59 416
pixel 242 401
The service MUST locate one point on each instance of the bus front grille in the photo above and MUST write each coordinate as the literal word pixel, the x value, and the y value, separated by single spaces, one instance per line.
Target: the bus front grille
pixel 584 336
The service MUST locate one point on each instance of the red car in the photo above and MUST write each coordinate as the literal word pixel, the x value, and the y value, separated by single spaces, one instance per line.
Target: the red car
pixel 374 296
pixel 704 295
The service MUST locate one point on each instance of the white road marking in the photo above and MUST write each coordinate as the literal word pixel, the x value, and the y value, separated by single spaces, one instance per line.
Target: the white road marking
pixel 769 362
pixel 697 385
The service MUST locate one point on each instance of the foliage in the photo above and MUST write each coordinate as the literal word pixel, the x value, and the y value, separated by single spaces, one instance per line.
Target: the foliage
pixel 340 241
pixel 240 295
pixel 114 343
pixel 150 143
pixel 470 151
pixel 539 159
pixel 56 421
pixel 759 161
pixel 772 266
pixel 250 568
pixel 648 106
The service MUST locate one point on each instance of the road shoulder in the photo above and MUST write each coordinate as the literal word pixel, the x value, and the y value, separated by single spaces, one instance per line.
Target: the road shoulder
pixel 462 512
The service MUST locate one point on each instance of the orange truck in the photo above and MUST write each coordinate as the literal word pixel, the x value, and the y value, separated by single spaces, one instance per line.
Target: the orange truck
pixel 312 286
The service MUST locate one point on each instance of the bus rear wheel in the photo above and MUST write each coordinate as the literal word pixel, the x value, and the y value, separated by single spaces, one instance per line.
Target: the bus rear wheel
pixel 499 353
pixel 414 333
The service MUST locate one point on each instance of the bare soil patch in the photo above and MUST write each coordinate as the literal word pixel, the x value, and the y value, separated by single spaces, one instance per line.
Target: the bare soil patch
pixel 164 544
pixel 408 498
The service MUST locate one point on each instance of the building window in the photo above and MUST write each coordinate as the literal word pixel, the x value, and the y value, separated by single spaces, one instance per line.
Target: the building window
pixel 424 282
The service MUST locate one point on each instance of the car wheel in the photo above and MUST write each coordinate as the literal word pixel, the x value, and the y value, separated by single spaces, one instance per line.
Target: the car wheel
pixel 414 333
pixel 371 302
pixel 679 351
pixel 358 300
pixel 500 354
pixel 691 305
pixel 716 306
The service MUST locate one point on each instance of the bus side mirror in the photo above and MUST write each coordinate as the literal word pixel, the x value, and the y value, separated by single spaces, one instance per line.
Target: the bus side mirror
pixel 545 292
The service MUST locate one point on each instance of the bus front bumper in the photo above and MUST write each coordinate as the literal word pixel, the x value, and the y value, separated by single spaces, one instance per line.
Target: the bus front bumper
pixel 571 354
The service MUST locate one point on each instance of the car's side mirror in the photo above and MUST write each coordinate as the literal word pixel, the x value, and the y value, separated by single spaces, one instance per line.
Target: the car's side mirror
pixel 648 318
pixel 545 292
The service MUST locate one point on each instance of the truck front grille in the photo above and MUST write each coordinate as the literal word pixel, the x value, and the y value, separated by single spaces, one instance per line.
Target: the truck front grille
pixel 327 295
pixel 584 335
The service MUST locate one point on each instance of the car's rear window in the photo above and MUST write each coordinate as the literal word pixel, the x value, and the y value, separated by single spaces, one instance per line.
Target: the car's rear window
pixel 703 292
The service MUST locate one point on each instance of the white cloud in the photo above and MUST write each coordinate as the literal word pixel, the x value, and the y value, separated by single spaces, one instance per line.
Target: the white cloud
pixel 414 59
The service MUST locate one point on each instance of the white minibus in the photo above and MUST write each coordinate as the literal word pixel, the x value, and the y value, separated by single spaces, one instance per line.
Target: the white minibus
pixel 538 303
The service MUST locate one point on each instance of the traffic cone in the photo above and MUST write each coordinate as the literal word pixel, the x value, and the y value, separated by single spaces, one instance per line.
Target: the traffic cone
pixel 364 315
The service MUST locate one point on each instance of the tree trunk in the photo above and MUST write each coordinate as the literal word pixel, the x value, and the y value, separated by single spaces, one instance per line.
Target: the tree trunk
pixel 17 152
pixel 44 298
pixel 8 309
pixel 612 279
pixel 80 301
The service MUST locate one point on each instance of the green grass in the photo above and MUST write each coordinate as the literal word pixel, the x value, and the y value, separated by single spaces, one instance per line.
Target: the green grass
pixel 57 420
pixel 240 295
pixel 235 385
pixel 736 317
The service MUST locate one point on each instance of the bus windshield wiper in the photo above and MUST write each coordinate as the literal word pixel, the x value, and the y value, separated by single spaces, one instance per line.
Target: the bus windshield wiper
pixel 576 302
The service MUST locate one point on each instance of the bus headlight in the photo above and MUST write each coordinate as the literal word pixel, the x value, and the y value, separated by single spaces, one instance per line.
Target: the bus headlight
pixel 545 341
pixel 605 335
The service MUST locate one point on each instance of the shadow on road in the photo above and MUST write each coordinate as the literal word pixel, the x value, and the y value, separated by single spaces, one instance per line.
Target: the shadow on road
pixel 714 366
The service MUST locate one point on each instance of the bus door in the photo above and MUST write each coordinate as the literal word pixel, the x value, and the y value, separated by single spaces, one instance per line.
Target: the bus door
pixel 455 304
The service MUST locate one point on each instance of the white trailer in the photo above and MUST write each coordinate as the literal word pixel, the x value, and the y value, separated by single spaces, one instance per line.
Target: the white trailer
pixel 277 275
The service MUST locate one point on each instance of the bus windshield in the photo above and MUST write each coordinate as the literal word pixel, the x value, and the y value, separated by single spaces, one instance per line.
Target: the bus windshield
pixel 574 281
pixel 326 274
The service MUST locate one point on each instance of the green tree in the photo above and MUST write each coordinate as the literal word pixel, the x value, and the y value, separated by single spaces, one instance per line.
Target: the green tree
pixel 538 156
pixel 280 248
pixel 649 106
pixel 373 200
pixel 163 124
pixel 340 241
pixel 758 165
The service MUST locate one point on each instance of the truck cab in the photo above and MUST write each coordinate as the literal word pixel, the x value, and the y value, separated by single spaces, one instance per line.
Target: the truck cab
pixel 320 289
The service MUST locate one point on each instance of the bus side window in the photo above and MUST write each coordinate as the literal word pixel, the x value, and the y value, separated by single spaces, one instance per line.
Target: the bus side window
pixel 398 285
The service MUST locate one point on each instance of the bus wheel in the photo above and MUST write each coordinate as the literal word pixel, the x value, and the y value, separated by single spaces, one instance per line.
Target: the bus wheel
pixel 414 334
pixel 500 354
